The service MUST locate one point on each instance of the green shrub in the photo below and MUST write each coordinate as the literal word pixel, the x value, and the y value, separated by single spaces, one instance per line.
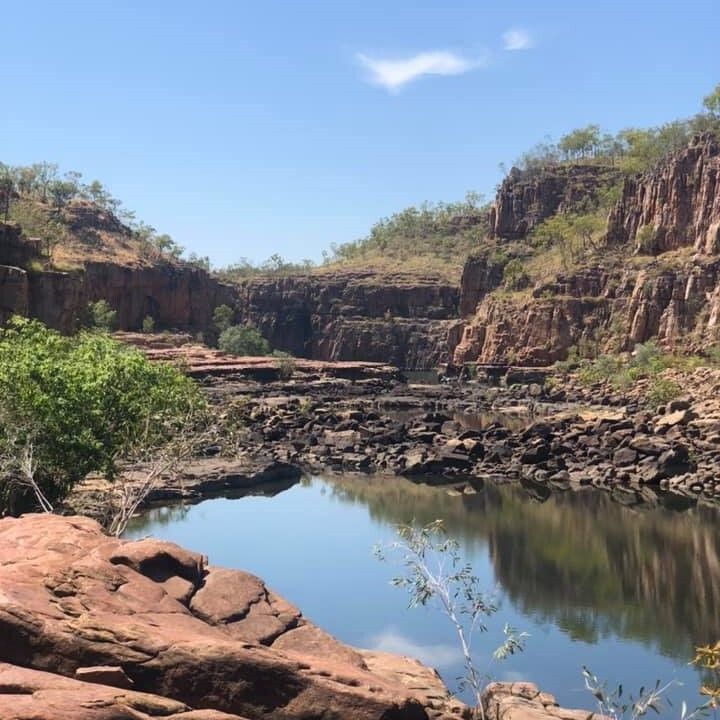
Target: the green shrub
pixel 662 391
pixel 223 317
pixel 514 276
pixel 243 340
pixel 81 404
pixel 148 324
pixel 102 316
pixel 285 363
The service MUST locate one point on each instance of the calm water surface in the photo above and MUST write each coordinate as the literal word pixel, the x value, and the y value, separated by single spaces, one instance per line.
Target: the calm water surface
pixel 626 592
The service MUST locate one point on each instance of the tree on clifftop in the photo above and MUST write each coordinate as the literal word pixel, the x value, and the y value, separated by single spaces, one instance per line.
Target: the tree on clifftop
pixel 711 102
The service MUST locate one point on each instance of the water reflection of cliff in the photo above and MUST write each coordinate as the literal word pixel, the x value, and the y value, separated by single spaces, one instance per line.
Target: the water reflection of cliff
pixel 581 560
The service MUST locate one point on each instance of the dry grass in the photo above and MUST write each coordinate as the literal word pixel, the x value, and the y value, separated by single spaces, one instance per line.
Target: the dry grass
pixel 418 265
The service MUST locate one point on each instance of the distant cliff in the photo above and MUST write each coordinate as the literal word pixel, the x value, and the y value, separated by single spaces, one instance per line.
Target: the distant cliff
pixel 401 319
pixel 655 275
pixel 176 295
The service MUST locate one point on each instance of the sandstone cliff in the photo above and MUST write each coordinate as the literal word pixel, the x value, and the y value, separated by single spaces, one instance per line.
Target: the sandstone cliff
pixel 656 275
pixel 677 205
pixel 524 200
pixel 176 295
pixel 400 319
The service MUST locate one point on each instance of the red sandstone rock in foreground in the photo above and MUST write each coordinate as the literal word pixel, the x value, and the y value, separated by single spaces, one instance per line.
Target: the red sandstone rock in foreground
pixel 148 614
pixel 95 628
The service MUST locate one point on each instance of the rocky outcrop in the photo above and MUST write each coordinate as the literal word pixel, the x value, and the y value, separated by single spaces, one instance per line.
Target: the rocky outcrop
pixel 669 217
pixel 673 206
pixel 177 296
pixel 400 319
pixel 13 292
pixel 525 199
pixel 524 701
pixel 202 362
pixel 601 309
pixel 77 607
pixel 27 694
pixel 481 274
pixel 14 249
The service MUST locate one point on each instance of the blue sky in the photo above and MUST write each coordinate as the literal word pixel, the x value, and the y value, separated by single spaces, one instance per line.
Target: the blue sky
pixel 247 128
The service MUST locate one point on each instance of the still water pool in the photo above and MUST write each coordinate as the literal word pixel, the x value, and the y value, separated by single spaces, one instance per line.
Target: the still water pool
pixel 626 592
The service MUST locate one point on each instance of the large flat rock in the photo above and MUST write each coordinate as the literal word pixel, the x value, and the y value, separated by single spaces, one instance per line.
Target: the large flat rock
pixel 155 618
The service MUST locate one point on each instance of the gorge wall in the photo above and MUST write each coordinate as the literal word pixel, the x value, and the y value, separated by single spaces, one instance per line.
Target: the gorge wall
pixel 400 319
pixel 656 276
pixel 177 296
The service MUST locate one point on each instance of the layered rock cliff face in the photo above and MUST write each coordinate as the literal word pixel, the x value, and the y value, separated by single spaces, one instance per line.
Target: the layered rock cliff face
pixel 678 205
pixel 176 296
pixel 399 319
pixel 656 277
pixel 525 200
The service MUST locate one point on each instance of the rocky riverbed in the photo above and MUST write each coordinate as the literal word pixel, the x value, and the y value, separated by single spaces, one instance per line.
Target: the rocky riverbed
pixel 553 436
pixel 550 436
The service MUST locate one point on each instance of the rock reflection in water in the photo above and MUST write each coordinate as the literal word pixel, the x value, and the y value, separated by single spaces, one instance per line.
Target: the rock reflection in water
pixel 580 560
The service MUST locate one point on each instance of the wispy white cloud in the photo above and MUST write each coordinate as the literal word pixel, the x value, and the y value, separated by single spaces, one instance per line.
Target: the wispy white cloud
pixel 517 39
pixel 393 74
pixel 436 656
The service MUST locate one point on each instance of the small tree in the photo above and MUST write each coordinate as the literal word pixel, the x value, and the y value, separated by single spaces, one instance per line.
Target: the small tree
pixel 285 363
pixel 74 405
pixel 243 340
pixel 102 316
pixel 711 102
pixel 435 571
pixel 223 316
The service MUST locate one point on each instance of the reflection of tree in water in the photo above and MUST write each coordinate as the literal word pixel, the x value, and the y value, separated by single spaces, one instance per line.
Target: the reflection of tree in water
pixel 162 516
pixel 588 564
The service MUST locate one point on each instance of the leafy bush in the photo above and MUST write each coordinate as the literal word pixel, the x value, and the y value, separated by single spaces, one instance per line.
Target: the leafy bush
pixel 102 316
pixel 662 391
pixel 243 340
pixel 74 405
pixel 223 317
pixel 148 324
pixel 285 363
pixel 514 276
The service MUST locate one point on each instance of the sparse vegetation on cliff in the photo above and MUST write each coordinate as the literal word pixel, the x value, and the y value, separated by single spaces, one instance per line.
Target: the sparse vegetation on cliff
pixel 632 150
pixel 431 236
pixel 74 220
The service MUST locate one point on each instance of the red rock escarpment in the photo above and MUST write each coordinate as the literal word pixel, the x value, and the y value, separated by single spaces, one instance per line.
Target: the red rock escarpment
pixel 176 296
pixel 673 296
pixel 525 199
pixel 398 319
pixel 675 205
pixel 603 308
pixel 156 618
